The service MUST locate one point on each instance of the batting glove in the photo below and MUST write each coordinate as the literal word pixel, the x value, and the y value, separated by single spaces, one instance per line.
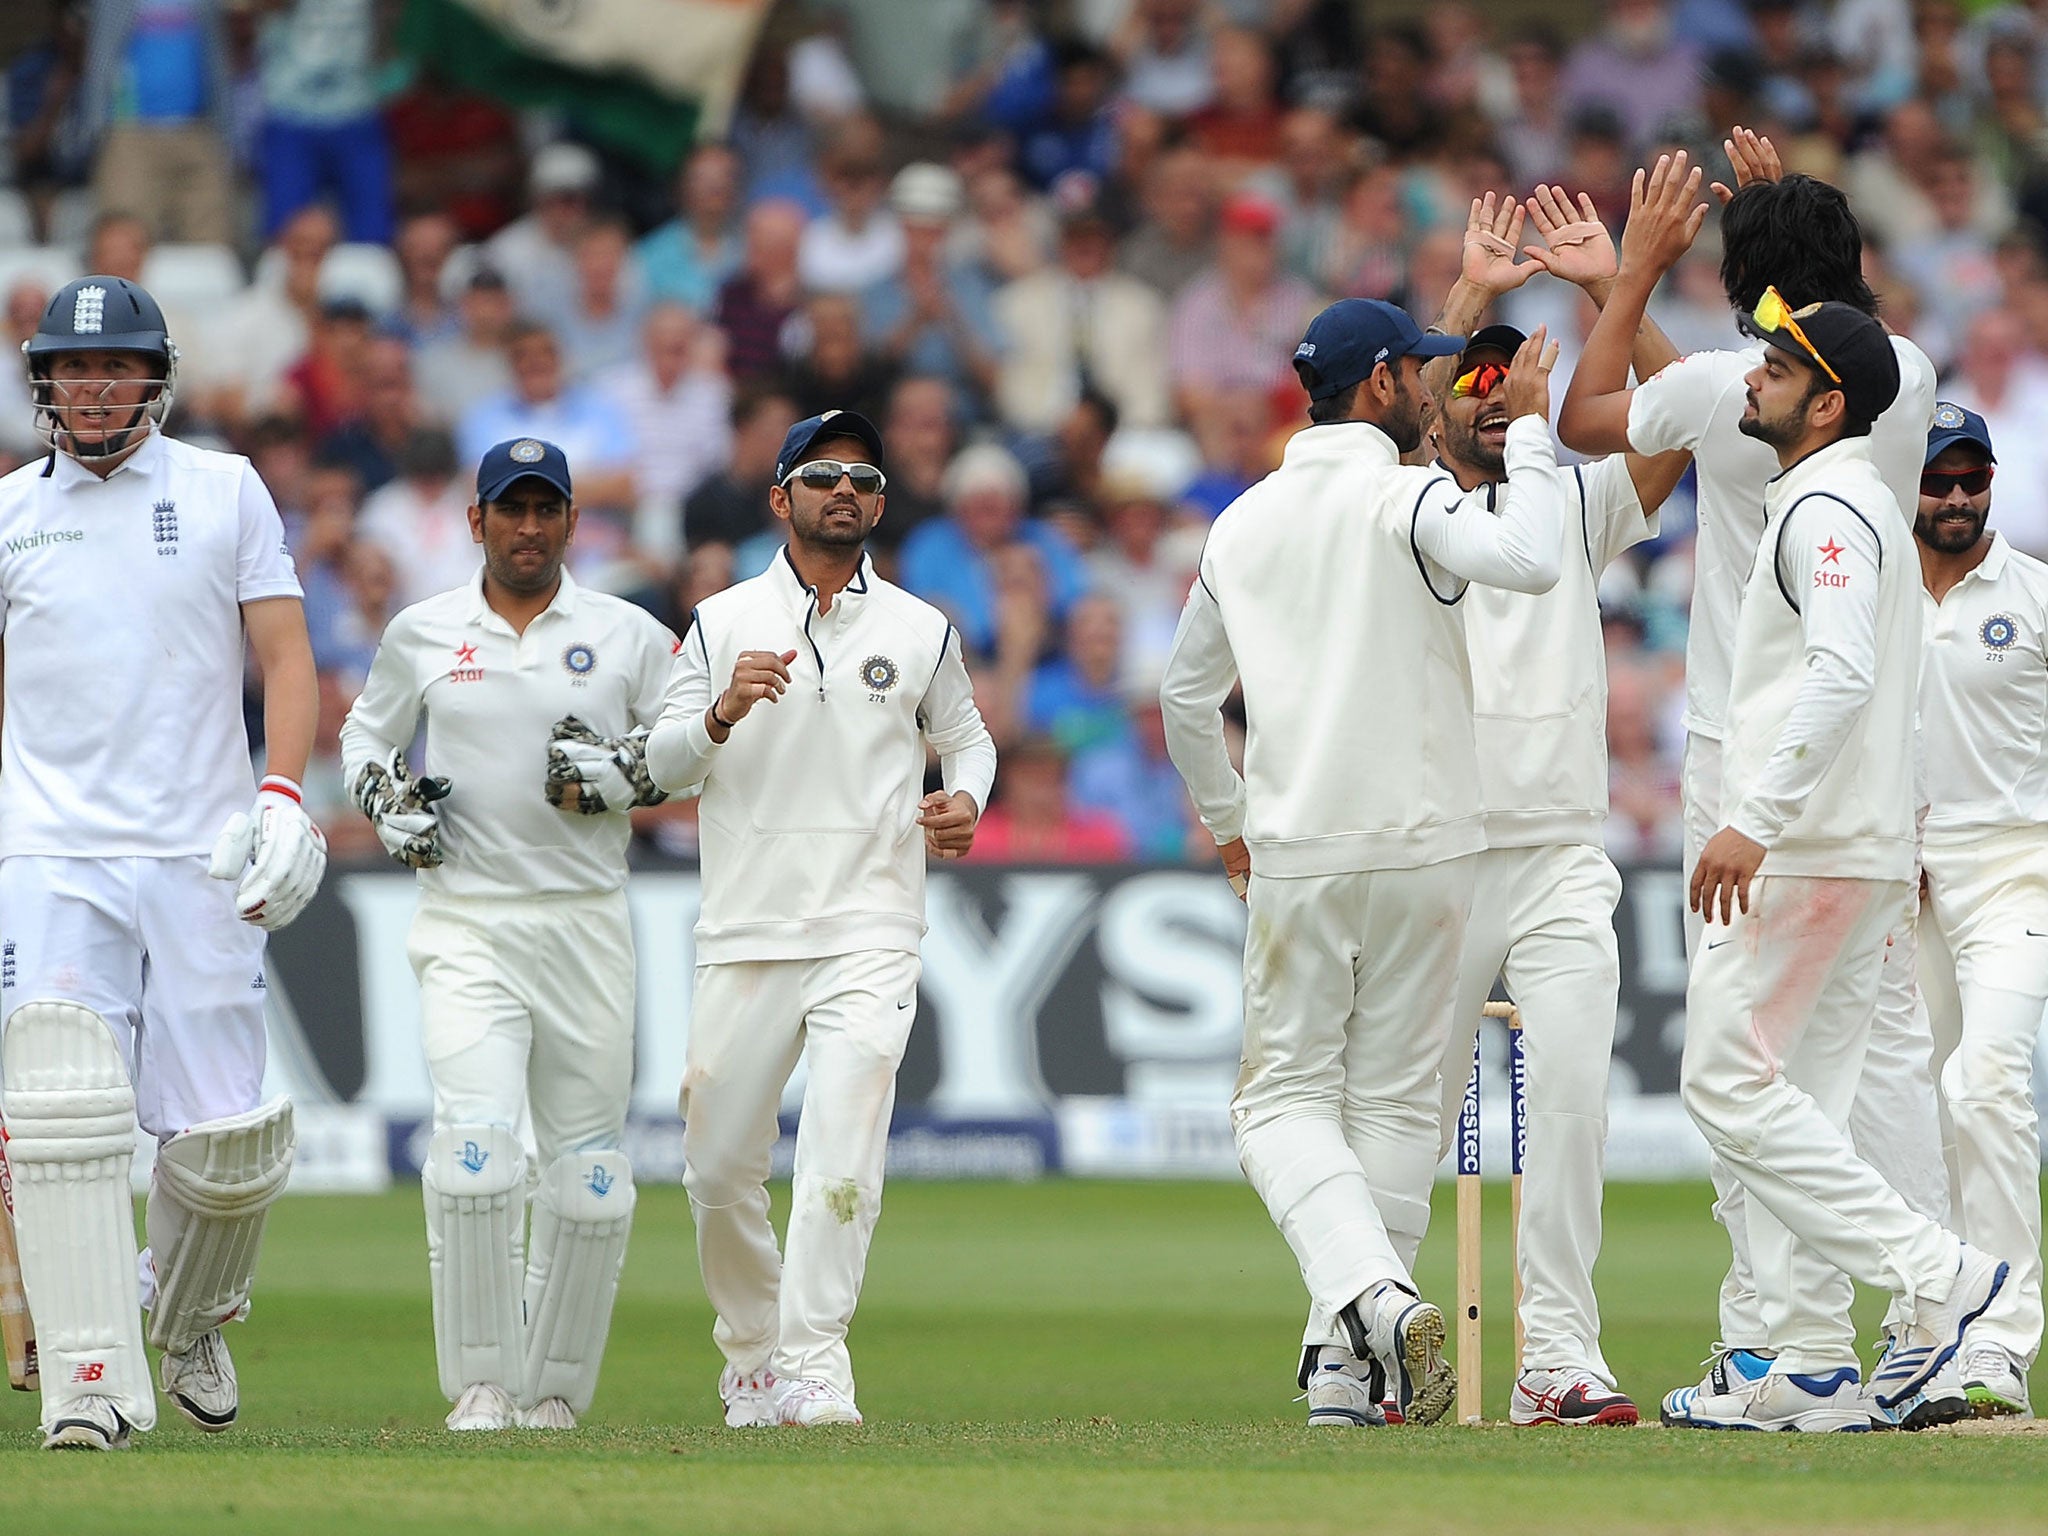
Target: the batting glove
pixel 591 774
pixel 274 852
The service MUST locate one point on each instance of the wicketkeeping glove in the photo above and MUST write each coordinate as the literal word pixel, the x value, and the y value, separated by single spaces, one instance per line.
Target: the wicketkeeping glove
pixel 401 808
pixel 591 774
pixel 275 852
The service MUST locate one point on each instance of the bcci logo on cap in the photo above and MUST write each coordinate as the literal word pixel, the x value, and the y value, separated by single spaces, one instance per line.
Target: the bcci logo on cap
pixel 1948 417
pixel 526 451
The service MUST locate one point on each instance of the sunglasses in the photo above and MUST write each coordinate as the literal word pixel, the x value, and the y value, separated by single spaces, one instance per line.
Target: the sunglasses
pixel 1937 483
pixel 1482 380
pixel 823 474
pixel 1773 315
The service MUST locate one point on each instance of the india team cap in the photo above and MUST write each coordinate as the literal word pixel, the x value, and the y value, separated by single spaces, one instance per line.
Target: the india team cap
pixel 796 447
pixel 1957 424
pixel 516 459
pixel 1352 337
pixel 1855 345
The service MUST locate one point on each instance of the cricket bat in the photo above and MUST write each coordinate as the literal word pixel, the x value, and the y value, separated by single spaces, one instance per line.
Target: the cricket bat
pixel 16 1326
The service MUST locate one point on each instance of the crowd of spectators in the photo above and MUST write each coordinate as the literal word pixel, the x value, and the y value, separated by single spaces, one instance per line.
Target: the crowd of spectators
pixel 1060 251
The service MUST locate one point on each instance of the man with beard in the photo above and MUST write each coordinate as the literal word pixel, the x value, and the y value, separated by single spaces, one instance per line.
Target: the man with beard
pixel 1544 897
pixel 1984 917
pixel 1811 866
pixel 537 693
pixel 800 707
pixel 1331 591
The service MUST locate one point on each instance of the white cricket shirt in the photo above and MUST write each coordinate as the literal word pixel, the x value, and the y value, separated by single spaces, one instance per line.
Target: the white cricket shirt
pixel 1819 760
pixel 808 831
pixel 1539 675
pixel 1696 404
pixel 491 697
pixel 121 622
pixel 1984 698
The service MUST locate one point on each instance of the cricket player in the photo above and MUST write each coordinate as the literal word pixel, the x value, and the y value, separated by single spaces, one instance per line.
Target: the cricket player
pixel 537 696
pixel 142 864
pixel 1799 889
pixel 1984 920
pixel 801 703
pixel 1357 818
pixel 1799 233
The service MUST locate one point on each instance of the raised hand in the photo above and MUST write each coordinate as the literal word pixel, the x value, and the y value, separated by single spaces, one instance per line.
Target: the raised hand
pixel 1576 245
pixel 757 675
pixel 1527 391
pixel 1664 216
pixel 1754 158
pixel 1492 232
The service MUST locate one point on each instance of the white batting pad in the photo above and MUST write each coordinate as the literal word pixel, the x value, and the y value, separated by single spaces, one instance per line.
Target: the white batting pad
pixel 581 1215
pixel 208 1198
pixel 474 1181
pixel 70 1114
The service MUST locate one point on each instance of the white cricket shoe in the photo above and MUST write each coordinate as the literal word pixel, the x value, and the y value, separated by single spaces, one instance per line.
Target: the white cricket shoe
pixel 1721 1399
pixel 484 1405
pixel 1941 1401
pixel 548 1413
pixel 1995 1383
pixel 1777 1400
pixel 1406 1336
pixel 1341 1390
pixel 1567 1395
pixel 749 1400
pixel 90 1424
pixel 809 1404
pixel 1936 1334
pixel 201 1383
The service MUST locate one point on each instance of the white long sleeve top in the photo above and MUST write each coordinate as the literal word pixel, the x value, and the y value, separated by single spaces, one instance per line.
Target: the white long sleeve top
pixel 1330 589
pixel 809 838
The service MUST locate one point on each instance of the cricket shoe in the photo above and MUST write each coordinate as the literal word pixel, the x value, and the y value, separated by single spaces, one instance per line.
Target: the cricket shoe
pixel 1941 1401
pixel 1995 1383
pixel 1936 1335
pixel 201 1383
pixel 484 1405
pixel 749 1399
pixel 548 1413
pixel 1567 1395
pixel 89 1424
pixel 1405 1335
pixel 1778 1400
pixel 1341 1389
pixel 1718 1402
pixel 811 1404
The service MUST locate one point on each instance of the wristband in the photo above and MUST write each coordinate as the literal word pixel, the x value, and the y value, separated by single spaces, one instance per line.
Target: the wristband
pixel 278 784
pixel 718 719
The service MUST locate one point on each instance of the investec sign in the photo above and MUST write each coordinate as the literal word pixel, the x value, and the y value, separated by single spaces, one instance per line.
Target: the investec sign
pixel 1082 1018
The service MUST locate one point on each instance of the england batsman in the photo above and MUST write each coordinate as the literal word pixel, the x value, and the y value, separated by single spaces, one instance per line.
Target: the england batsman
pixel 802 703
pixel 1331 591
pixel 1984 918
pixel 134 571
pixel 537 695
pixel 1545 892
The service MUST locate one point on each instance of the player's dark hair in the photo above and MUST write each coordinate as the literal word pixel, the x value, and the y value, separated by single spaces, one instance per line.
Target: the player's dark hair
pixel 1799 235
pixel 1330 408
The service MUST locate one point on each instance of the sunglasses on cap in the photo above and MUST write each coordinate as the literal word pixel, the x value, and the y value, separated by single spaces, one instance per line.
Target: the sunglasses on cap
pixel 823 474
pixel 1774 315
pixel 1482 380
pixel 1937 483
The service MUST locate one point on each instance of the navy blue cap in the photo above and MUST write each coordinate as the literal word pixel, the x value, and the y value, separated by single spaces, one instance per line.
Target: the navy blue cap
pixel 1354 336
pixel 1495 338
pixel 1954 424
pixel 796 446
pixel 517 458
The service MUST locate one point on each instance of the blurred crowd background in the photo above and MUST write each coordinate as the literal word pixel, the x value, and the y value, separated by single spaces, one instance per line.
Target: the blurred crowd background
pixel 1060 249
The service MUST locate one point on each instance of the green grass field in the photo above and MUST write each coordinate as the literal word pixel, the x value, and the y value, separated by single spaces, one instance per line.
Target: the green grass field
pixel 1051 1357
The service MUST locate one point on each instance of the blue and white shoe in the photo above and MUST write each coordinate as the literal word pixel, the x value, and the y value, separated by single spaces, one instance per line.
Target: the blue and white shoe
pixel 1719 1401
pixel 1785 1401
pixel 1342 1391
pixel 1932 1340
pixel 1941 1401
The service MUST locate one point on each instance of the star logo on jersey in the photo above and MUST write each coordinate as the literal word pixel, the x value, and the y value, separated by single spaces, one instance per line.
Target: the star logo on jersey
pixel 1999 631
pixel 1831 552
pixel 466 669
pixel 465 655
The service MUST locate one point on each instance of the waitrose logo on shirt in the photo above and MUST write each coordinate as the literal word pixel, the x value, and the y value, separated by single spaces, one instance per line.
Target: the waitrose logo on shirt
pixel 41 540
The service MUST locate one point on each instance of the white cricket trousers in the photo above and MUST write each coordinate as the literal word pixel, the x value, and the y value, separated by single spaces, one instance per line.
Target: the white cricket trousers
pixel 1778 1012
pixel 1894 1121
pixel 849 1016
pixel 156 948
pixel 1349 982
pixel 1984 973
pixel 526 1003
pixel 1543 921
